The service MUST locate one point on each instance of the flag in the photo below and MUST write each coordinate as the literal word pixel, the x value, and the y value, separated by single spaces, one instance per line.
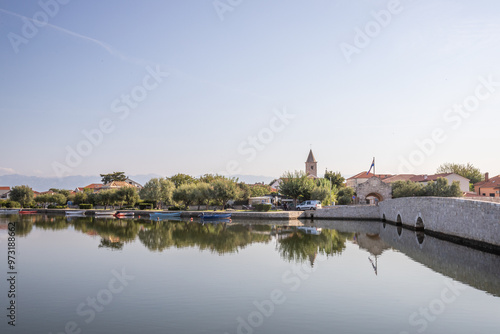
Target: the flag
pixel 372 166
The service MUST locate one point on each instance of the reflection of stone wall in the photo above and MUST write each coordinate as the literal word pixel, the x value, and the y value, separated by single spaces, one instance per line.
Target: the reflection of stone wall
pixel 474 220
pixel 473 267
pixel 476 268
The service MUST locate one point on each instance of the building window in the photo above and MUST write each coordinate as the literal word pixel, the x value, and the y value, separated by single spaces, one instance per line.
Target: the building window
pixel 492 194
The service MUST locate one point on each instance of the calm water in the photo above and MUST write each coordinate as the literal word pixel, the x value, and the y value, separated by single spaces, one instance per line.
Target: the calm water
pixel 89 275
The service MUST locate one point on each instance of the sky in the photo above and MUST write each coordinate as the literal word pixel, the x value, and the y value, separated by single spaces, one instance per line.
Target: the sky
pixel 247 87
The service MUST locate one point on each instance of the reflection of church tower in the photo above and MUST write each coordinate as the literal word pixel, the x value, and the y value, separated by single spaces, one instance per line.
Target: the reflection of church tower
pixel 311 165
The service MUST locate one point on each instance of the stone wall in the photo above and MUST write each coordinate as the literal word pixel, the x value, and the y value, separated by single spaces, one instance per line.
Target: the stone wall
pixel 374 186
pixel 355 212
pixel 456 217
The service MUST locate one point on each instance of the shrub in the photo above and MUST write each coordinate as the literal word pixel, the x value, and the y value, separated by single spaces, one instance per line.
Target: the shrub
pixel 146 206
pixel 86 206
pixel 262 207
pixel 10 204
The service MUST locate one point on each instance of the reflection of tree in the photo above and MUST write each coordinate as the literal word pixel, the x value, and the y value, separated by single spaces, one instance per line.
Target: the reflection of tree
pixel 111 243
pixel 51 223
pixel 218 238
pixel 24 224
pixel 113 230
pixel 302 247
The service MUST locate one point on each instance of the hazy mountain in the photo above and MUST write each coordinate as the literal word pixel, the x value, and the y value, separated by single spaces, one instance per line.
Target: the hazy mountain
pixel 71 182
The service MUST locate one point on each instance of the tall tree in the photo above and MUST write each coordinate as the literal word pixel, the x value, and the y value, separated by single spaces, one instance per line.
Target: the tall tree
pixel 127 195
pixel 115 176
pixel 466 170
pixel 185 193
pixel 258 190
pixel 22 194
pixel 345 195
pixel 225 190
pixel 158 190
pixel 335 178
pixel 296 185
pixel 204 193
pixel 180 179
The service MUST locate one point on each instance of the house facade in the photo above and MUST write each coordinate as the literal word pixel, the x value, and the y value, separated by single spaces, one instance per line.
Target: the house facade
pixel 356 180
pixel 451 177
pixel 4 192
pixel 489 187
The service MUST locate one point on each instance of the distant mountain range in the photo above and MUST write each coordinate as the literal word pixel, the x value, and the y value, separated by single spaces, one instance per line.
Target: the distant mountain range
pixel 72 182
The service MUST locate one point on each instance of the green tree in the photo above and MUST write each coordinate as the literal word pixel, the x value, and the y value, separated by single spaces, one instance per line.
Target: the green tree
pixel 323 191
pixel 115 176
pixel 203 194
pixel 22 194
pixel 128 195
pixel 345 195
pixel 335 178
pixel 180 179
pixel 80 198
pixel 158 190
pixel 466 170
pixel 407 189
pixel 245 191
pixel 107 197
pixel 258 190
pixel 185 193
pixel 225 190
pixel 61 191
pixel 296 185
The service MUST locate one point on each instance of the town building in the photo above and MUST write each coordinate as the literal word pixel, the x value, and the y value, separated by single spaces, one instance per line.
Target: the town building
pixel 4 192
pixel 489 187
pixel 356 180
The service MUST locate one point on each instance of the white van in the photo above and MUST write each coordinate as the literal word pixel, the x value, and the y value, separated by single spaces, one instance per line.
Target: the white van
pixel 309 205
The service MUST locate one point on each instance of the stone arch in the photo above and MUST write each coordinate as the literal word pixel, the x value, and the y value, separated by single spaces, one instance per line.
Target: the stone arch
pixel 374 187
pixel 399 221
pixel 383 218
pixel 419 224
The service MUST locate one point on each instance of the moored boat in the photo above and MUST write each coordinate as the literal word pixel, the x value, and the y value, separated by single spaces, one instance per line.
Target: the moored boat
pixel 75 213
pixel 161 215
pixel 27 212
pixel 125 214
pixel 214 216
pixel 104 213
pixel 8 211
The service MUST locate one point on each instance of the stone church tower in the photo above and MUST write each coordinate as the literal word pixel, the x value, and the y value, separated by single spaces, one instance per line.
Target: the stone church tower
pixel 311 165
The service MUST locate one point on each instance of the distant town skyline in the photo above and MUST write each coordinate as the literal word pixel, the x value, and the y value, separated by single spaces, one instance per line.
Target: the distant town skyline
pixel 247 88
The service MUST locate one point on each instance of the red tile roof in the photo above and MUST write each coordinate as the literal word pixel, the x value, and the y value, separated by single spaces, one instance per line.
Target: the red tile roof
pixel 363 175
pixel 399 177
pixel 426 178
pixel 94 186
pixel 4 188
pixel 493 182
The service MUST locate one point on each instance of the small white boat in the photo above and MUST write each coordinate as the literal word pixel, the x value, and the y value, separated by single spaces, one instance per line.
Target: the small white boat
pixel 104 213
pixel 9 211
pixel 310 230
pixel 75 213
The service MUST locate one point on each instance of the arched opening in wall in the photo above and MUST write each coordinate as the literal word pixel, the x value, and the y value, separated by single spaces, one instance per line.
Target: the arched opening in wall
pixel 398 220
pixel 399 229
pixel 374 198
pixel 383 218
pixel 419 225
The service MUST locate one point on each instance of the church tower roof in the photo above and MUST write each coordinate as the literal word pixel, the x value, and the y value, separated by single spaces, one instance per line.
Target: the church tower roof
pixel 311 158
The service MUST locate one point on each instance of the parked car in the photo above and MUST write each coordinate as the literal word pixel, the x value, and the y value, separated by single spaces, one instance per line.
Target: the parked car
pixel 309 205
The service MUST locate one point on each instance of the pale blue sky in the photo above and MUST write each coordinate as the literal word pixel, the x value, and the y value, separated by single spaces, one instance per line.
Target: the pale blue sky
pixel 228 79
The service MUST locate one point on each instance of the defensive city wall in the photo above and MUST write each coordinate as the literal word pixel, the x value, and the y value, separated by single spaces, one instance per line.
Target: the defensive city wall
pixel 475 223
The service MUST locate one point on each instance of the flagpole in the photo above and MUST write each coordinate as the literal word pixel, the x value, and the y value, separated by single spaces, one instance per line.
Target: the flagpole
pixel 374 174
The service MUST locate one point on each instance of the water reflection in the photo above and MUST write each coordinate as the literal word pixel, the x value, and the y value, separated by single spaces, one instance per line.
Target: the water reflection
pixel 217 237
pixel 478 269
pixel 298 246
